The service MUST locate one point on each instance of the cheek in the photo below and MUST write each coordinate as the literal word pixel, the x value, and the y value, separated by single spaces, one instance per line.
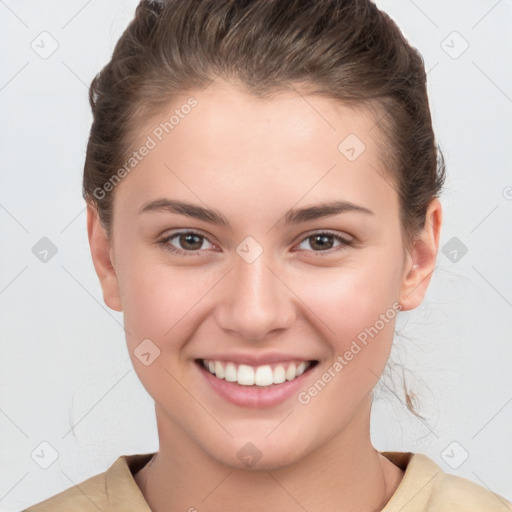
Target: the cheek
pixel 161 305
pixel 357 320
pixel 159 302
pixel 350 298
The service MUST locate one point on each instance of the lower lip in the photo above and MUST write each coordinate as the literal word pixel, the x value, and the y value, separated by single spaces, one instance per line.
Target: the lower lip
pixel 254 396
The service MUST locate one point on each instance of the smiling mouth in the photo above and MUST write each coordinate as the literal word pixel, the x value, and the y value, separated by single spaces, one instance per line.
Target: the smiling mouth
pixel 257 376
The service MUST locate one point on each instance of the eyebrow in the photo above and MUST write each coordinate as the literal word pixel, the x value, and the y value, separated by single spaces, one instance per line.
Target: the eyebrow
pixel 292 216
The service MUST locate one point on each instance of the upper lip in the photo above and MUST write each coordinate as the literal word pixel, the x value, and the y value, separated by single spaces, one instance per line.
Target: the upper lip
pixel 257 359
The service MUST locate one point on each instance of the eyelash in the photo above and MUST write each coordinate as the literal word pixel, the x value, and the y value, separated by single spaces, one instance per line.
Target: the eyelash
pixel 164 242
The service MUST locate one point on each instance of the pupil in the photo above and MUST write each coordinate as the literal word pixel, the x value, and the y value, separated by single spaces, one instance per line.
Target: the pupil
pixel 188 239
pixel 323 238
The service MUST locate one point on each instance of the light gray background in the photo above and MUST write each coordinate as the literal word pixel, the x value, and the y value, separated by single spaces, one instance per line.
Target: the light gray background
pixel 66 377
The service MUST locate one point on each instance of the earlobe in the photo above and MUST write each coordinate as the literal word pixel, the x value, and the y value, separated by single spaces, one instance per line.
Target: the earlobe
pixel 421 260
pixel 102 253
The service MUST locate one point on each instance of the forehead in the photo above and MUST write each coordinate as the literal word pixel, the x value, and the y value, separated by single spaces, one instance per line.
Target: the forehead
pixel 221 141
pixel 285 119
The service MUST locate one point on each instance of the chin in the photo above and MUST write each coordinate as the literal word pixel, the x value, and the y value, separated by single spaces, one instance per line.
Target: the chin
pixel 272 463
pixel 258 455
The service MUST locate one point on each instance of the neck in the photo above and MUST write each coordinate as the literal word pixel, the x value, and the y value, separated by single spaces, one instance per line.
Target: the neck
pixel 344 474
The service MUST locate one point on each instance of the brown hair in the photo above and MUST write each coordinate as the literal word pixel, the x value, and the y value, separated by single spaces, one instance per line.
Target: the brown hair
pixel 346 50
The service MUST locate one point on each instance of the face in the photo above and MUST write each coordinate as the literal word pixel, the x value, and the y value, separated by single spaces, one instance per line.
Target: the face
pixel 258 284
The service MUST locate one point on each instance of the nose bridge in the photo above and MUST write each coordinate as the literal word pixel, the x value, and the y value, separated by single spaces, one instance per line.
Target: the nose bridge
pixel 257 301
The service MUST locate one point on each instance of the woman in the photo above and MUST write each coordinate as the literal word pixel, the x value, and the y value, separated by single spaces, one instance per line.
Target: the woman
pixel 262 184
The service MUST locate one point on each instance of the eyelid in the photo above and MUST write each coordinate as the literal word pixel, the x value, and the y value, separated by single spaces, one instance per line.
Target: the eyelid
pixel 345 236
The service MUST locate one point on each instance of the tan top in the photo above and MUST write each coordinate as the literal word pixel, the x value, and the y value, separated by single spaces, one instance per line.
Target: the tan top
pixel 425 487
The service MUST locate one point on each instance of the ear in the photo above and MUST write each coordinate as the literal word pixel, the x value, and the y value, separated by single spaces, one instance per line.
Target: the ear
pixel 421 259
pixel 102 257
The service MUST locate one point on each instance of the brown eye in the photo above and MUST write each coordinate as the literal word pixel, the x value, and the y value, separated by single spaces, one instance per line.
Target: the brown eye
pixel 325 242
pixel 190 241
pixel 322 241
pixel 187 243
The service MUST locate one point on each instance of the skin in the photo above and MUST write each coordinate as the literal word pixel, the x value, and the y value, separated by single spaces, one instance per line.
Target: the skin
pixel 253 160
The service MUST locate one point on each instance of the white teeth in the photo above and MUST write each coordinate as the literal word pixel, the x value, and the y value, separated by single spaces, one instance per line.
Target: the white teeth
pixel 263 375
pixel 219 370
pixel 279 374
pixel 290 373
pixel 231 373
pixel 245 375
pixel 301 368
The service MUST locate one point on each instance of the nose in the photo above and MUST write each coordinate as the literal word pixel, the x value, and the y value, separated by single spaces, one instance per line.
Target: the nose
pixel 255 301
